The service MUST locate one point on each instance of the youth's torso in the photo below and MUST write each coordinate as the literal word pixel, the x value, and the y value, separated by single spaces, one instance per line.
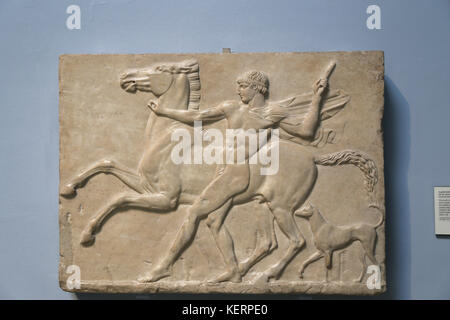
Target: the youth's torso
pixel 250 122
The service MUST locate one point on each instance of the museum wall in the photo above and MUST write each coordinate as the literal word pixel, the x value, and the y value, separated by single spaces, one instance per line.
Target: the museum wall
pixel 413 35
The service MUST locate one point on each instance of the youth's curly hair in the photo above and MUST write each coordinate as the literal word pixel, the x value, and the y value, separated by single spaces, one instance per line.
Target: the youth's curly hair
pixel 257 79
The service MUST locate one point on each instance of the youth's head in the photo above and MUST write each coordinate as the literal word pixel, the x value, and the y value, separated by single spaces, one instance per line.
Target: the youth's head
pixel 252 83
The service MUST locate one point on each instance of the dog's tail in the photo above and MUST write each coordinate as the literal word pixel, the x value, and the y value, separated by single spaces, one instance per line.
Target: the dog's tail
pixel 380 212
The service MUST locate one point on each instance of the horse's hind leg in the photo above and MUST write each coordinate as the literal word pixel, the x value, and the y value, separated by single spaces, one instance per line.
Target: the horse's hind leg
pixel 288 226
pixel 266 241
pixel 104 166
pixel 157 202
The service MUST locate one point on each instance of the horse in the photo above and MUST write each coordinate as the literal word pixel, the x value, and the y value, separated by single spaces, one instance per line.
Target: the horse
pixel 160 185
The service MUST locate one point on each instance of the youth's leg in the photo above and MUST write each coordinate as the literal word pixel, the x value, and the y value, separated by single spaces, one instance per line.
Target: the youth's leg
pixel 225 243
pixel 215 195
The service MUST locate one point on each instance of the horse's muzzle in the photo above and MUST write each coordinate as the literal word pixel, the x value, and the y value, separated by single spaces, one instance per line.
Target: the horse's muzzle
pixel 128 85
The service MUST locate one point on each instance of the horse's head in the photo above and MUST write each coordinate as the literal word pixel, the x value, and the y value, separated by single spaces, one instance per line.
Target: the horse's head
pixel 179 80
pixel 148 80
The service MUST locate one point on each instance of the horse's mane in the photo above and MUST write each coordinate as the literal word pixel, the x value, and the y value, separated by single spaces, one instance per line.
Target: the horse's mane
pixel 191 69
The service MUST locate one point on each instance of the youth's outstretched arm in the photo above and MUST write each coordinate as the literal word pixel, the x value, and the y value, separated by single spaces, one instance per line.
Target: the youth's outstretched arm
pixel 189 116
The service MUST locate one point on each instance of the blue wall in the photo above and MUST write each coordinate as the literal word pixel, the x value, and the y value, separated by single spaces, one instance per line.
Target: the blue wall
pixel 415 37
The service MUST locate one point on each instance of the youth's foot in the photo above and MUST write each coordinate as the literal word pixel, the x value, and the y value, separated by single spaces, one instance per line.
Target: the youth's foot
pixel 156 274
pixel 261 279
pixel 267 276
pixel 230 276
pixel 243 267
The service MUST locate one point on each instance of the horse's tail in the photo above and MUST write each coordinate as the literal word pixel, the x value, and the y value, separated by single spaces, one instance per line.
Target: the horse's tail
pixel 365 164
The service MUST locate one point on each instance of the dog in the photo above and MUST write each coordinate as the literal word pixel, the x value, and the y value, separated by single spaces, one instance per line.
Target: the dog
pixel 328 237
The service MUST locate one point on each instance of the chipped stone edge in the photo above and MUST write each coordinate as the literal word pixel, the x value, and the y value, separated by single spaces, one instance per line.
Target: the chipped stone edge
pixel 284 287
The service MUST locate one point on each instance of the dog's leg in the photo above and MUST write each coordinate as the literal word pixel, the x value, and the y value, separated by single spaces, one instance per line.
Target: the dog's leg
pixel 328 255
pixel 363 271
pixel 314 257
pixel 369 246
pixel 367 241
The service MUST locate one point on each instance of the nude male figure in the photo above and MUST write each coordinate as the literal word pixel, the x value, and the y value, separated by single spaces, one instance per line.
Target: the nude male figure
pixel 216 199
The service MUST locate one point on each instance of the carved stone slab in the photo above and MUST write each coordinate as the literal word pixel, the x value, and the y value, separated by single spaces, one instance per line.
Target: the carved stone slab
pixel 233 173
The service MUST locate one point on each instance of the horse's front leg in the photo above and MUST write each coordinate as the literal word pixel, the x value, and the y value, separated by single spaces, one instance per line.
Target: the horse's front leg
pixel 314 257
pixel 158 202
pixel 124 174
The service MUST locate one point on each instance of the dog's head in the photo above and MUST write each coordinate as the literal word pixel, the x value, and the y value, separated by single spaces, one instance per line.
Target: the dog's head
pixel 306 211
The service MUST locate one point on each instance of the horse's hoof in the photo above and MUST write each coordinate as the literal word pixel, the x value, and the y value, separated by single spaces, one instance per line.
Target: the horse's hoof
pixel 87 238
pixel 68 191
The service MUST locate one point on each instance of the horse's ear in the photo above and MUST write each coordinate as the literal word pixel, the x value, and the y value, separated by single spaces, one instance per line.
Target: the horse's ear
pixel 191 62
pixel 189 66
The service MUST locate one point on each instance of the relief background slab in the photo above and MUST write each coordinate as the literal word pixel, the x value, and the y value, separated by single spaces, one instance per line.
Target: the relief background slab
pixel 99 120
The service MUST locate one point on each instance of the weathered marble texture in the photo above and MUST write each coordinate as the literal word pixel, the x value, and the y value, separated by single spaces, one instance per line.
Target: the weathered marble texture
pixel 100 120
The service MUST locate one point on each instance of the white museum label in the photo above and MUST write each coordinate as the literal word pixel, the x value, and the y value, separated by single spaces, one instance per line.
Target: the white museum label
pixel 442 210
